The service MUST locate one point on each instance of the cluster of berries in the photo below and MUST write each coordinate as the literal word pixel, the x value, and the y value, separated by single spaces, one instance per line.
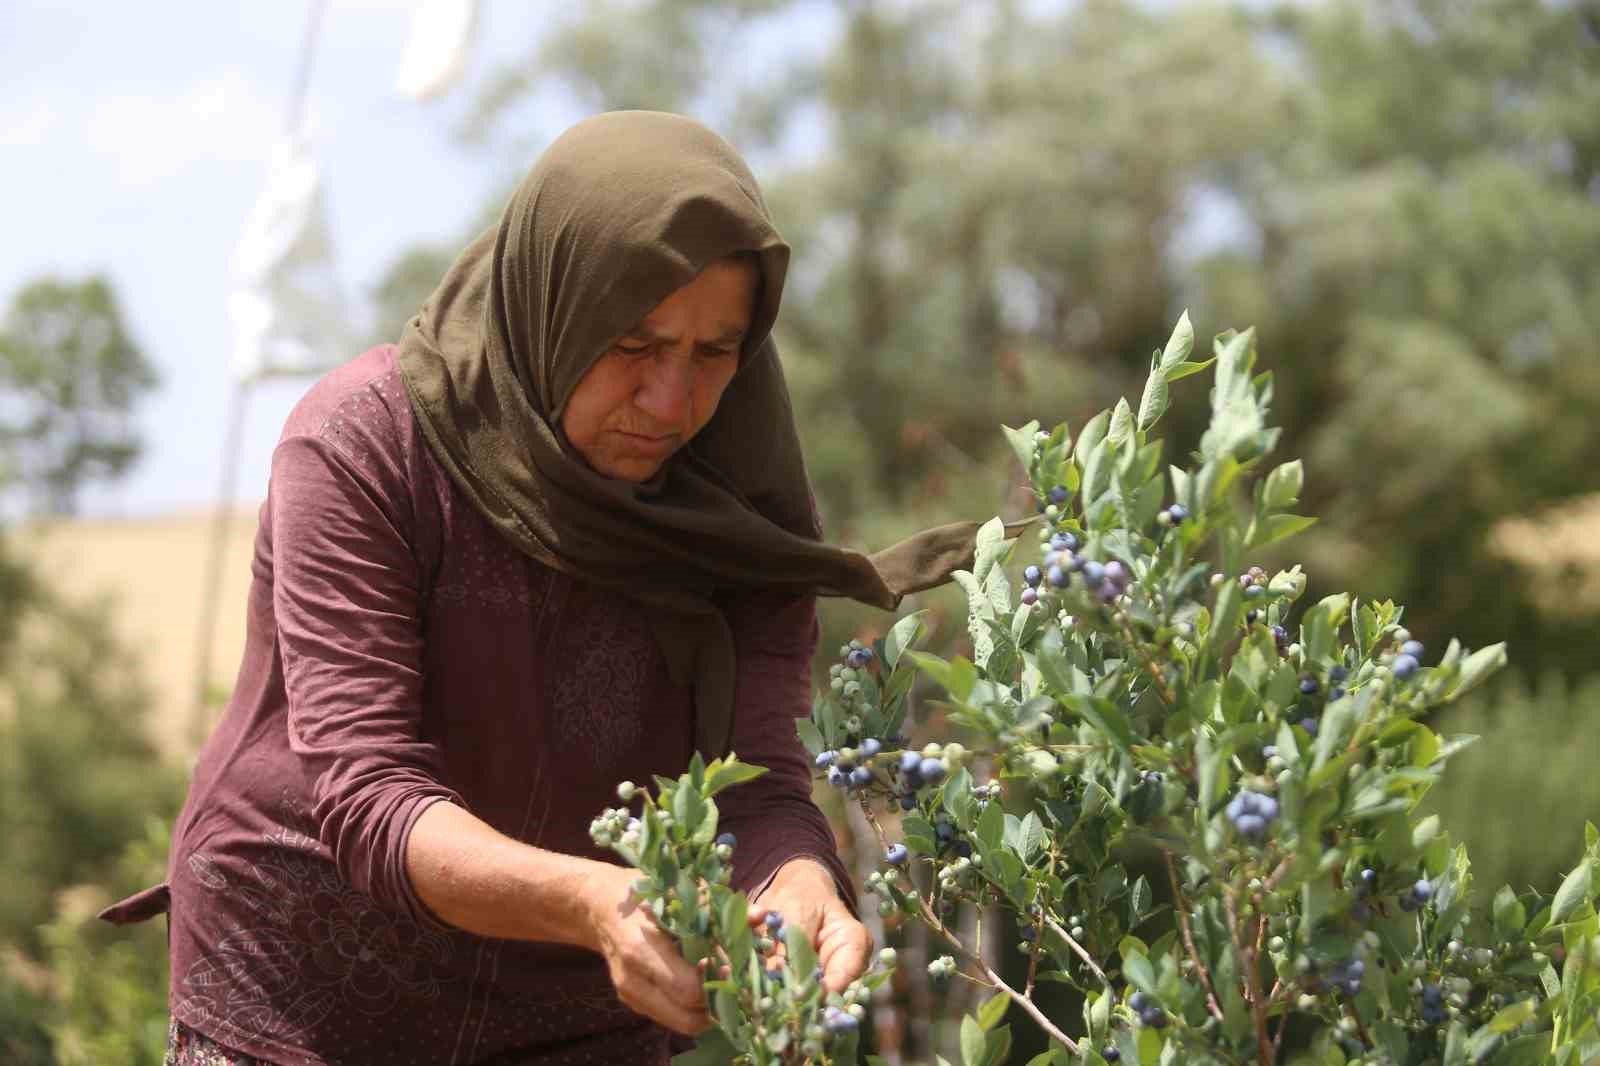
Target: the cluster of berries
pixel 845 678
pixel 1346 976
pixel 838 1020
pixel 1173 515
pixel 1415 897
pixel 942 967
pixel 617 825
pixel 944 833
pixel 1148 1010
pixel 1409 659
pixel 1106 581
pixel 1252 813
pixel 847 767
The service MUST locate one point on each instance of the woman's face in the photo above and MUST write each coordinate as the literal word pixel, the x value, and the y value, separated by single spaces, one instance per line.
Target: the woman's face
pixel 660 383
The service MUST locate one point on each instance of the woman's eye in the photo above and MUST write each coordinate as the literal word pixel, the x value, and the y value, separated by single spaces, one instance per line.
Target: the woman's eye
pixel 633 349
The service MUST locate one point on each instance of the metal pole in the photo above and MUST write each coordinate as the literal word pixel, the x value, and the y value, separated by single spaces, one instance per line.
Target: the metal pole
pixel 200 712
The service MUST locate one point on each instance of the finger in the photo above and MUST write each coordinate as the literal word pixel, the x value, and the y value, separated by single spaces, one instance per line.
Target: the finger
pixel 844 949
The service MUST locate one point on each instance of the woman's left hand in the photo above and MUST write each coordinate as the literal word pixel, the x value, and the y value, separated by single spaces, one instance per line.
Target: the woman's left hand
pixel 803 892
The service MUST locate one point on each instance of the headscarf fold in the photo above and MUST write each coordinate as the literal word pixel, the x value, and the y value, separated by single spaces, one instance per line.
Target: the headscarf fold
pixel 617 214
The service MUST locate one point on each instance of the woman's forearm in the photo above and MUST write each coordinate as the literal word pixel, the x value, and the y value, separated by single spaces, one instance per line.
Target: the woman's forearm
pixel 475 878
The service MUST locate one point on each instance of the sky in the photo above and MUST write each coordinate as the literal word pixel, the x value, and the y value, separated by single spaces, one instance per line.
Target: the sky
pixel 134 139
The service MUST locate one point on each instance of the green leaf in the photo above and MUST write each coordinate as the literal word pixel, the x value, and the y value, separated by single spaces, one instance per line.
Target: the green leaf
pixel 1476 668
pixel 993 1009
pixel 991 829
pixel 1283 486
pixel 1277 527
pixel 1178 373
pixel 906 632
pixel 1179 345
pixel 974 1043
pixel 729 774
pixel 956 677
pixel 1136 968
pixel 1510 916
pixel 1021 441
pixel 802 956
pixel 1089 438
pixel 1121 431
pixel 1154 402
pixel 713 1049
pixel 1574 891
pixel 1139 899
pixel 810 735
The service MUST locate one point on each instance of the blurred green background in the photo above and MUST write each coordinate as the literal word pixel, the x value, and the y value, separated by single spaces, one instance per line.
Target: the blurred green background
pixel 997 211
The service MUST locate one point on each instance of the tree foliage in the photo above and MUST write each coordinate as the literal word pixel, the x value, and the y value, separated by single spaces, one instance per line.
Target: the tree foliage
pixel 70 374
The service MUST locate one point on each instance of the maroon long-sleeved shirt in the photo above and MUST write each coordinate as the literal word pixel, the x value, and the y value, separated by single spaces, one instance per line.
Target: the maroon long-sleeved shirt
pixel 401 653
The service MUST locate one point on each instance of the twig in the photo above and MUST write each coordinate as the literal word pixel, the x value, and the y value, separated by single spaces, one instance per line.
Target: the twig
pixel 1182 906
pixel 934 923
pixel 1075 946
pixel 1258 1008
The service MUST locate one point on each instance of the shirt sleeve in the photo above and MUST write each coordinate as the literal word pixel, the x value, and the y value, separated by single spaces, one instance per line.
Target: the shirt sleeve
pixel 347 602
pixel 774 817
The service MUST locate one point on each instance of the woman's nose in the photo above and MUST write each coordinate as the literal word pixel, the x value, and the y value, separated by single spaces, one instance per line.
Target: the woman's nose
pixel 666 392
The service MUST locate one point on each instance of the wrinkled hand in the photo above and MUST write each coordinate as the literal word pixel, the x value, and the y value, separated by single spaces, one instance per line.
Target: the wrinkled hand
pixel 649 972
pixel 803 892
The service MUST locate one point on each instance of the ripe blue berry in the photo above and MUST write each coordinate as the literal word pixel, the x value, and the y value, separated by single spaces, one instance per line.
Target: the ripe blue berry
pixel 1335 693
pixel 1093 573
pixel 837 1021
pixel 932 770
pixel 1308 685
pixel 1029 597
pixel 1139 1001
pixel 1337 674
pixel 1423 890
pixel 727 838
pixel 1032 575
pixel 1117 574
pixel 860 777
pixel 897 855
pixel 1309 725
pixel 1412 648
pixel 774 921
pixel 910 761
pixel 1058 494
pixel 1404 666
pixel 1057 577
pixel 870 747
pixel 825 759
pixel 837 777
pixel 1178 512
pixel 908 801
pixel 1063 542
pixel 1110 1053
pixel 1250 825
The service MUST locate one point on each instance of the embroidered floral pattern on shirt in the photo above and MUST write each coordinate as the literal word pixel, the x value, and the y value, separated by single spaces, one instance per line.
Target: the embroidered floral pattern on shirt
pixel 319 943
pixel 600 664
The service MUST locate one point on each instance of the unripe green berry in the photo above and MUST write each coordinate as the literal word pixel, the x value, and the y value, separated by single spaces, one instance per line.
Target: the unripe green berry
pixel 626 791
pixel 887 956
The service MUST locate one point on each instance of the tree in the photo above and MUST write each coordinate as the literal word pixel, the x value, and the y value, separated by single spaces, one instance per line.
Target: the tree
pixel 70 374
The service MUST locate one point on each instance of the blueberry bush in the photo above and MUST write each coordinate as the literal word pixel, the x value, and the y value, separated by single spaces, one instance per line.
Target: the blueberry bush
pixel 1144 683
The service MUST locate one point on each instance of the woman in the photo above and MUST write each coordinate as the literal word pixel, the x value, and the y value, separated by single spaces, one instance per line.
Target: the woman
pixel 558 537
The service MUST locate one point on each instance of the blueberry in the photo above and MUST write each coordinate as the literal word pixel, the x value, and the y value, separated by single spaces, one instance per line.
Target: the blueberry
pixel 1107 592
pixel 870 747
pixel 839 1021
pixel 1432 994
pixel 1110 1053
pixel 1308 685
pixel 1058 494
pixel 1250 825
pixel 860 777
pixel 1309 725
pixel 1028 933
pixel 825 759
pixel 909 761
pixel 1093 572
pixel 1139 1001
pixel 1267 807
pixel 1423 891
pixel 1269 751
pixel 1335 693
pixel 1412 648
pixel 1404 666
pixel 727 838
pixel 932 770
pixel 774 921
pixel 1029 597
pixel 1117 574
pixel 1032 575
pixel 837 777
pixel 1057 577
pixel 1281 636
pixel 896 855
pixel 945 831
pixel 1154 1017
pixel 1250 617
pixel 1178 512
pixel 1064 541
pixel 908 802
pixel 1337 674
pixel 1077 563
pixel 1254 592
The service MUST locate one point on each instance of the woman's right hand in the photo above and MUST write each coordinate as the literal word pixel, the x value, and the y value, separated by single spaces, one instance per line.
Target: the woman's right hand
pixel 650 975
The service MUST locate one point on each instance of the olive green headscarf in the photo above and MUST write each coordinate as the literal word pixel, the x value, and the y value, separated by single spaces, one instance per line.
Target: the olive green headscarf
pixel 619 212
